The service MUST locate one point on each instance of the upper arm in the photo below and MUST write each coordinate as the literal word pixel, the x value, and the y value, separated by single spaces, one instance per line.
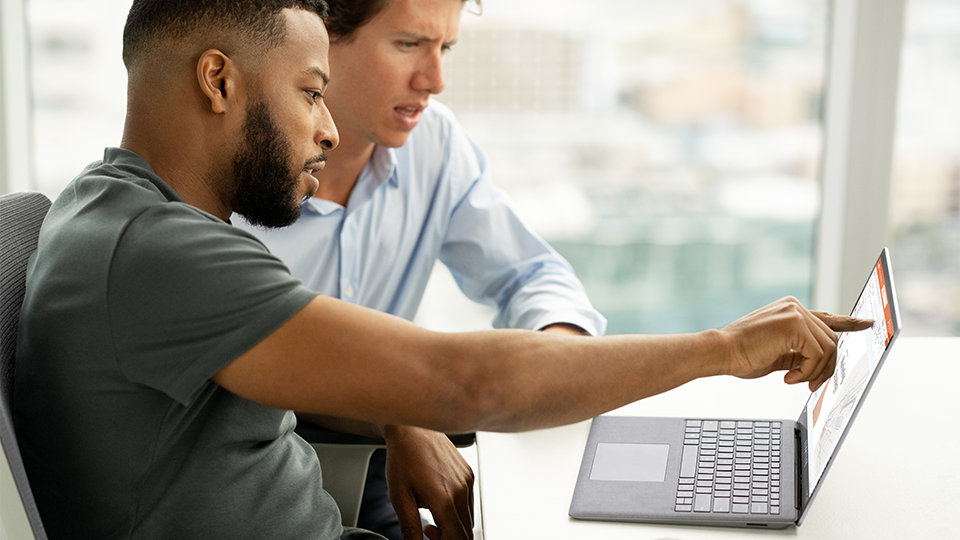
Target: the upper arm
pixel 187 294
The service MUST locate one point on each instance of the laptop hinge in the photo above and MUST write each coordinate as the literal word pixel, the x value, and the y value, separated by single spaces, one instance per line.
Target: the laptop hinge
pixel 800 452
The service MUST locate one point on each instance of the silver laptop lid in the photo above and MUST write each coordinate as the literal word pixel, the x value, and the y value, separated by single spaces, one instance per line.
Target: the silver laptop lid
pixel 830 410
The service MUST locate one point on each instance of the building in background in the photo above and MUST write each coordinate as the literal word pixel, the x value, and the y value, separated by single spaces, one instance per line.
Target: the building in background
pixel 673 161
pixel 671 151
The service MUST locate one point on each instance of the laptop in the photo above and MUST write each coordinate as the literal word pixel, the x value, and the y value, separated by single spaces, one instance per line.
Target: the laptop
pixel 737 472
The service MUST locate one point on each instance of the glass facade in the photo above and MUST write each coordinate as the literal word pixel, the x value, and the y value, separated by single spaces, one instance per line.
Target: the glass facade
pixel 671 151
pixel 925 186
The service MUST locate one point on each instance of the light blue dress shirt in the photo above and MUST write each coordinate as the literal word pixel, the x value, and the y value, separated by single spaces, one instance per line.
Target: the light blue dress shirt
pixel 427 200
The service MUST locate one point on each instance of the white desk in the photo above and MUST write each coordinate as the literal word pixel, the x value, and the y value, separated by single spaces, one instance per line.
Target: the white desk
pixel 896 476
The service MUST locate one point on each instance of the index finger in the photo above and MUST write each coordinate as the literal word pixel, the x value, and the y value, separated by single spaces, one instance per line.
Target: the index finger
pixel 843 323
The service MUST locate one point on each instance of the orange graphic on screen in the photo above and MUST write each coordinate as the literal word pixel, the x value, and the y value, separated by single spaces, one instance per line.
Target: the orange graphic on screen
pixel 819 405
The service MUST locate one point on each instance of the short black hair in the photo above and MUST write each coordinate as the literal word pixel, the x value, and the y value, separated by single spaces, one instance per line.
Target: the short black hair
pixel 149 22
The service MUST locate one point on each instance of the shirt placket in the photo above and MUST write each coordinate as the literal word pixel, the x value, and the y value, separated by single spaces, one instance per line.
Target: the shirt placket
pixel 349 259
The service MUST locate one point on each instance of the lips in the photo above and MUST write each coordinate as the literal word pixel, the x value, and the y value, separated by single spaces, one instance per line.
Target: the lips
pixel 312 183
pixel 408 115
pixel 409 110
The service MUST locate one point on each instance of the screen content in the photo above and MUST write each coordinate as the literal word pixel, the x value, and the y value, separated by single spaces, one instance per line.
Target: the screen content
pixel 858 353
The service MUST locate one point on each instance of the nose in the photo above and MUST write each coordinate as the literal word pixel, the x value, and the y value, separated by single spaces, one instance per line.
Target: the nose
pixel 429 76
pixel 326 135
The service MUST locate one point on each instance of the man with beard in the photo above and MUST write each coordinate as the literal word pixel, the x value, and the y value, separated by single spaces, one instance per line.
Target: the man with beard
pixel 407 188
pixel 161 350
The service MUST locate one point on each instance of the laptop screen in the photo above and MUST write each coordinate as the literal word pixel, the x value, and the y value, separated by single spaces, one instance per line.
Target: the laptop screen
pixel 830 409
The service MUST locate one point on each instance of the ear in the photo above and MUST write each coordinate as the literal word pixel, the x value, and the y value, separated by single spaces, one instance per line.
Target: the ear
pixel 218 79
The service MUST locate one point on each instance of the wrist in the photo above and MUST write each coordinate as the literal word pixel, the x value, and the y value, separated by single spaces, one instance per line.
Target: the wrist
pixel 719 351
pixel 392 432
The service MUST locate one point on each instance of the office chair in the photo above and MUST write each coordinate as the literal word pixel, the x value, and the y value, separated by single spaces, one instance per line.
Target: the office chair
pixel 20 217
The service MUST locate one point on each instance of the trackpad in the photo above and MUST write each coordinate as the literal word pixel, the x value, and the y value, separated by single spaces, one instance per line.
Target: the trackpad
pixel 630 462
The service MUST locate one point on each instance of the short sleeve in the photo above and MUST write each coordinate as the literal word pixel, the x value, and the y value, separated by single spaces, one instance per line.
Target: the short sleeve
pixel 188 294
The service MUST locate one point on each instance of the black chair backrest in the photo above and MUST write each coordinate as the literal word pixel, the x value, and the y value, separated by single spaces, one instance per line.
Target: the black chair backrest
pixel 21 215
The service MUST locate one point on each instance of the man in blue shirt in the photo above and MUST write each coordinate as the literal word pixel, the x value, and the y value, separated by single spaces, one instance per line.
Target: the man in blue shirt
pixel 405 188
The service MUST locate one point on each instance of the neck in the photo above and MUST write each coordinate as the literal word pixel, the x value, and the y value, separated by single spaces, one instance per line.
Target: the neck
pixel 342 170
pixel 184 163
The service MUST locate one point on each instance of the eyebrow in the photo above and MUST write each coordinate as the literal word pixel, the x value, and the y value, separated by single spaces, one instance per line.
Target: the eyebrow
pixel 317 72
pixel 420 38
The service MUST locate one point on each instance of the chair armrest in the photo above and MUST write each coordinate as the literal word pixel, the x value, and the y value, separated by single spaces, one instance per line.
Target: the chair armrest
pixel 315 434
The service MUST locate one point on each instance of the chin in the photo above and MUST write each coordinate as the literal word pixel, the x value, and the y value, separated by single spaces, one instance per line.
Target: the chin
pixel 393 139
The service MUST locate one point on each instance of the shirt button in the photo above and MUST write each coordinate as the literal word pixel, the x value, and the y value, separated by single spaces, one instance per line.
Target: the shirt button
pixel 348 292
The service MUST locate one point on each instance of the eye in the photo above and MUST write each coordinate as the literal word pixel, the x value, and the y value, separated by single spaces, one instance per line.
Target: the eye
pixel 407 44
pixel 315 96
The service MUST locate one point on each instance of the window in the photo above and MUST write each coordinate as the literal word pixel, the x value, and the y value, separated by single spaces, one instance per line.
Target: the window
pixel 670 151
pixel 78 83
pixel 925 197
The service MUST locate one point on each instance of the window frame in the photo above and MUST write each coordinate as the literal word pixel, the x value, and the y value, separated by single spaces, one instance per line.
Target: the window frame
pixel 16 173
pixel 866 38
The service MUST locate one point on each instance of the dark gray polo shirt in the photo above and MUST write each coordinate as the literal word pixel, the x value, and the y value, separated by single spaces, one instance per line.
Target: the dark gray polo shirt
pixel 134 300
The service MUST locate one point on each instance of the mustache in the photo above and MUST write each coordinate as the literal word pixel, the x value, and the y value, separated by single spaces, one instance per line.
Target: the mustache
pixel 312 163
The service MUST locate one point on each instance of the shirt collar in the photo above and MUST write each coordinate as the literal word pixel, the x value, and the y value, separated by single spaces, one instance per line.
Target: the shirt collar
pixel 382 166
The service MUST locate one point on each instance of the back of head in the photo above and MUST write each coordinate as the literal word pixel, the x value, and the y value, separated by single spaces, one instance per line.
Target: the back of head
pixel 153 26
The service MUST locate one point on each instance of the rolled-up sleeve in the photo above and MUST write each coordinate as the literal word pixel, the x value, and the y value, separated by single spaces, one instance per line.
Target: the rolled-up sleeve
pixel 499 261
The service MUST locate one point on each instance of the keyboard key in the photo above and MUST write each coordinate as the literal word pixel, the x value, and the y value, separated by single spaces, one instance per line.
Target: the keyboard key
pixel 688 461
pixel 740 508
pixel 758 508
pixel 701 503
pixel 721 505
pixel 682 508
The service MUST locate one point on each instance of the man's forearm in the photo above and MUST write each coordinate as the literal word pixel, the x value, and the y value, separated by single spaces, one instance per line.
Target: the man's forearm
pixel 521 382
pixel 338 359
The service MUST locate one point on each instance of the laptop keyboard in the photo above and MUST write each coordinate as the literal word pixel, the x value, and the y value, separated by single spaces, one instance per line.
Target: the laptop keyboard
pixel 730 466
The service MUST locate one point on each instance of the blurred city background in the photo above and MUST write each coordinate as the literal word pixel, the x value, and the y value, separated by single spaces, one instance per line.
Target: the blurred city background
pixel 670 151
